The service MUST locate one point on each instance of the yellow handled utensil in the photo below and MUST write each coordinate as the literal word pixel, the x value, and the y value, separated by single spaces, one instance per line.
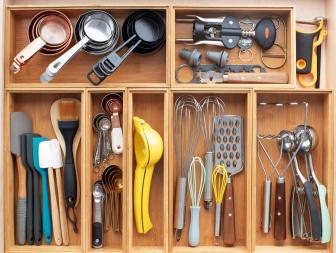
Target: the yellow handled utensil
pixel 148 148
pixel 219 181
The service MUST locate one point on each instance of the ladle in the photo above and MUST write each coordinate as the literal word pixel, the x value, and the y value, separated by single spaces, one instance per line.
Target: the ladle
pixel 289 146
pixel 98 27
pixel 309 143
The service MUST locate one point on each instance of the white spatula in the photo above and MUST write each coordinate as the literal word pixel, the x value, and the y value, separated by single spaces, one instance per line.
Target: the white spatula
pixel 46 161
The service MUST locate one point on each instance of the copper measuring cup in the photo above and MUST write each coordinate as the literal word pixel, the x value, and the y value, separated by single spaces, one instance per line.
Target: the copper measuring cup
pixel 48 30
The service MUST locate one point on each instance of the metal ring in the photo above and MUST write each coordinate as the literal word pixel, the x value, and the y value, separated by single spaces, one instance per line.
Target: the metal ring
pixel 177 71
pixel 241 52
pixel 284 56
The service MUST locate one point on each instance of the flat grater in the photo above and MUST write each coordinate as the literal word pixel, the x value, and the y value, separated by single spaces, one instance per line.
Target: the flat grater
pixel 229 150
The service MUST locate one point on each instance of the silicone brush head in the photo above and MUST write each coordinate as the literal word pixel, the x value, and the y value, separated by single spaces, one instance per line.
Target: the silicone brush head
pixel 68 110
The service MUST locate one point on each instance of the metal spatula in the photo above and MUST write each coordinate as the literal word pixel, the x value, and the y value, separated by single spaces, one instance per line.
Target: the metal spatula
pixel 20 123
pixel 229 150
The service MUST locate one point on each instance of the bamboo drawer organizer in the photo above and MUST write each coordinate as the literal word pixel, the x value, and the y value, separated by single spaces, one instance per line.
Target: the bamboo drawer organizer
pixel 149 90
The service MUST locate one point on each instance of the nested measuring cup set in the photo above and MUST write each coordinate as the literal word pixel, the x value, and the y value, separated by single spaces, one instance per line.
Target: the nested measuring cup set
pixel 309 217
pixel 96 32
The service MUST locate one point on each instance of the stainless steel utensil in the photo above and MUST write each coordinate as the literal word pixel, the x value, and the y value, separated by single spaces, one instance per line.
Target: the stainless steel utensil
pixel 230 152
pixel 186 132
pixel 98 27
pixel 97 217
pixel 211 107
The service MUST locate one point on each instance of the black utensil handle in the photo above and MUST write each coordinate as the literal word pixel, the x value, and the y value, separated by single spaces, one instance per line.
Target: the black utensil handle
pixel 97 235
pixel 37 210
pixel 68 130
pixel 30 208
pixel 304 51
pixel 280 210
pixel 265 33
pixel 70 184
pixel 315 220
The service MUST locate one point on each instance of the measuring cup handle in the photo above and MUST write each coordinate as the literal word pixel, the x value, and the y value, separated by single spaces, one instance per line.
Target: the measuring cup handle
pixel 314 213
pixel 57 64
pixel 280 210
pixel 26 53
pixel 117 140
pixel 229 215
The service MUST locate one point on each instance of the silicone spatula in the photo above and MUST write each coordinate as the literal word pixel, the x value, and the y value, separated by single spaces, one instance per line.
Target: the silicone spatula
pixel 45 161
pixel 46 217
pixel 30 199
pixel 20 123
pixel 36 189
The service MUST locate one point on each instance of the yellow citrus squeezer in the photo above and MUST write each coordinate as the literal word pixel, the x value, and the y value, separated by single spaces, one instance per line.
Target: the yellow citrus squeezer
pixel 148 148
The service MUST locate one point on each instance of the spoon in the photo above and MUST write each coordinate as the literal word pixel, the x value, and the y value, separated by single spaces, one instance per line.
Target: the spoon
pixel 97 226
pixel 104 126
pixel 309 143
pixel 288 139
pixel 97 153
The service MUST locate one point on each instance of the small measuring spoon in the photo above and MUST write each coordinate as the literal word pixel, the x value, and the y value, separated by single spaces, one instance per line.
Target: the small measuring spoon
pixel 97 222
pixel 105 126
pixel 97 152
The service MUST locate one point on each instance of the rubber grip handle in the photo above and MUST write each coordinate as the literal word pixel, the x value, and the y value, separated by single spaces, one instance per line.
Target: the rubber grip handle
pixel 266 222
pixel 97 235
pixel 280 210
pixel 207 187
pixel 314 213
pixel 142 183
pixel 304 49
pixel 46 216
pixel 265 33
pixel 180 208
pixel 326 224
pixel 37 210
pixel 69 130
pixel 229 215
pixel 194 230
pixel 30 208
pixel 21 210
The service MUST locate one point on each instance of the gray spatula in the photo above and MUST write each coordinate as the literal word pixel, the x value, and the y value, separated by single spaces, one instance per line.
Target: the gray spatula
pixel 20 123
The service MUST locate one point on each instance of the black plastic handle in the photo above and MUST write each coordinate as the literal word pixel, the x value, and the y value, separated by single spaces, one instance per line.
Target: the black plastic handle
pixel 304 51
pixel 37 210
pixel 265 33
pixel 69 130
pixel 315 219
pixel 97 235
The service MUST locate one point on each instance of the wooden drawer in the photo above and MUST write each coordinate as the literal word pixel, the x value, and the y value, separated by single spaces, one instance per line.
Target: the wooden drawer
pixel 285 36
